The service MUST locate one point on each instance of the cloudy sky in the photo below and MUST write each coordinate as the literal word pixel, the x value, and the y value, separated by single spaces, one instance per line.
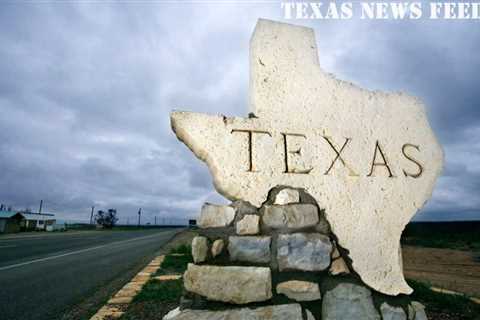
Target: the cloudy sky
pixel 86 89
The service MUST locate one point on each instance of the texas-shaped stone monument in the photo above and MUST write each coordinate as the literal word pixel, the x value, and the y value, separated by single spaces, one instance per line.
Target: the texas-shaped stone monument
pixel 370 159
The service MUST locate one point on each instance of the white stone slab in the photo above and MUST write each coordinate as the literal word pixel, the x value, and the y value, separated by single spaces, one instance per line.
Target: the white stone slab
pixel 249 249
pixel 275 312
pixel 172 314
pixel 217 247
pixel 299 290
pixel 310 114
pixel 292 216
pixel 215 216
pixel 349 301
pixel 248 225
pixel 303 251
pixel 286 196
pixel 237 285
pixel 199 249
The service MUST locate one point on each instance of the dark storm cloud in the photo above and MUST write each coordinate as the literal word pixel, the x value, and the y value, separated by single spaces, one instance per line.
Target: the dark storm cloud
pixel 85 96
pixel 86 90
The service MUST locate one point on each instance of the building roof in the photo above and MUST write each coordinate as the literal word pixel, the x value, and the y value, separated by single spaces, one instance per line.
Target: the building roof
pixel 28 216
pixel 37 216
pixel 7 214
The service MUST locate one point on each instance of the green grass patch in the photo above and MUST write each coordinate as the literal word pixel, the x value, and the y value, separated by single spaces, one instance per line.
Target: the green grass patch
pixel 182 249
pixel 175 264
pixel 157 297
pixel 165 291
pixel 444 303
pixel 176 261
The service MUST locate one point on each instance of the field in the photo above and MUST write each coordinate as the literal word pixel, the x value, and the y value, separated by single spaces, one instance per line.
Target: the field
pixel 462 235
pixel 445 255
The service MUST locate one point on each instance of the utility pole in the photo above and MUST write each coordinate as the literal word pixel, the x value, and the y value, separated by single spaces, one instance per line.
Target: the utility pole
pixel 155 220
pixel 40 209
pixel 91 215
pixel 139 215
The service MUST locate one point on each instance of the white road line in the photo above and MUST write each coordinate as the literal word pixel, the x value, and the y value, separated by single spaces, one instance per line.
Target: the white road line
pixel 73 252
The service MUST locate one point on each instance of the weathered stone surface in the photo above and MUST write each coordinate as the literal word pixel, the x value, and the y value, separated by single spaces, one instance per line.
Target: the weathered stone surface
pixel 339 267
pixel 292 216
pixel 303 251
pixel 411 312
pixel 217 247
pixel 249 248
pixel 250 224
pixel 392 313
pixel 348 301
pixel 299 290
pixel 242 208
pixel 323 226
pixel 214 215
pixel 199 249
pixel 335 252
pixel 416 311
pixel 287 196
pixel 172 314
pixel 238 285
pixel 309 315
pixel 277 312
pixel 389 162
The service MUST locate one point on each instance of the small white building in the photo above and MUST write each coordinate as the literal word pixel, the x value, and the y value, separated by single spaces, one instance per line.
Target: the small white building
pixel 38 221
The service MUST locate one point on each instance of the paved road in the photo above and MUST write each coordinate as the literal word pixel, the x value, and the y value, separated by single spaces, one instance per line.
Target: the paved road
pixel 48 276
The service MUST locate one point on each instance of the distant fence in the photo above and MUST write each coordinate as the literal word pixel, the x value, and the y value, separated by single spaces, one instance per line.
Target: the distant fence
pixel 146 221
pixel 151 221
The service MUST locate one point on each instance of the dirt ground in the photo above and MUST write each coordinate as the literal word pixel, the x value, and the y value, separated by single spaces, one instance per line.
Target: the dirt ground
pixel 444 268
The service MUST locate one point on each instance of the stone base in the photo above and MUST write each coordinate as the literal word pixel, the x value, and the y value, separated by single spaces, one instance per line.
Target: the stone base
pixel 279 261
pixel 340 299
pixel 279 312
pixel 347 303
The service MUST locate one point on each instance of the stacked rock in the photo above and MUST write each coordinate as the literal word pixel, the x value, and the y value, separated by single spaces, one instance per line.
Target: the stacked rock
pixel 279 261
